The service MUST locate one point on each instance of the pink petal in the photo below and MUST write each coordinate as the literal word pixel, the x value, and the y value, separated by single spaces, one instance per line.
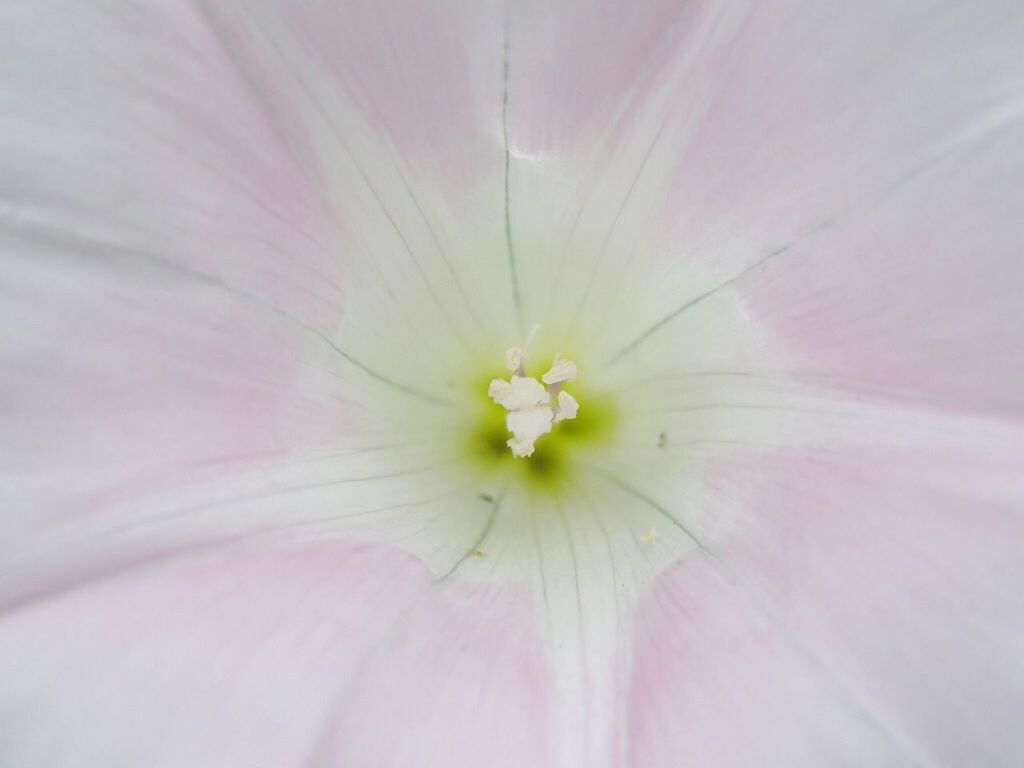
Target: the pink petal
pixel 165 259
pixel 862 612
pixel 118 144
pixel 426 77
pixel 322 653
pixel 870 159
pixel 575 68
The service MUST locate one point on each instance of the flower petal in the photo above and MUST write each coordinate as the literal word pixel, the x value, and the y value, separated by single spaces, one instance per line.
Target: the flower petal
pixel 860 609
pixel 116 142
pixel 319 652
pixel 874 190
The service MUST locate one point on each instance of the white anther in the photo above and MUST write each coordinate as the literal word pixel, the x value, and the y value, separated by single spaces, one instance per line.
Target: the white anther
pixel 522 392
pixel 499 390
pixel 561 370
pixel 532 408
pixel 513 358
pixel 520 449
pixel 567 407
pixel 527 425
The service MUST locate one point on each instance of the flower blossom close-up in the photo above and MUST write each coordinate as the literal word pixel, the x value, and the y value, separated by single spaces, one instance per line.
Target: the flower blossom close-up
pixel 579 384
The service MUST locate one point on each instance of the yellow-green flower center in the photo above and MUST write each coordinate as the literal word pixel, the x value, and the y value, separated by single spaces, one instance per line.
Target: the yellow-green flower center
pixel 537 434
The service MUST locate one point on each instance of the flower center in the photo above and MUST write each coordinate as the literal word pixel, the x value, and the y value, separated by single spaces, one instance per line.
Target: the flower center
pixel 533 408
pixel 535 419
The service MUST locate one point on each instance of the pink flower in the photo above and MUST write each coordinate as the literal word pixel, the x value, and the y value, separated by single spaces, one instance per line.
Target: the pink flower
pixel 261 261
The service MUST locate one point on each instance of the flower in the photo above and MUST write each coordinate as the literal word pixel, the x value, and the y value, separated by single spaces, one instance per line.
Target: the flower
pixel 267 268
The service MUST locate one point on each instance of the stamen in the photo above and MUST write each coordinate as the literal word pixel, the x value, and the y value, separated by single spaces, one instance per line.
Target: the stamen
pixel 527 425
pixel 533 409
pixel 518 394
pixel 515 357
pixel 561 370
pixel 567 407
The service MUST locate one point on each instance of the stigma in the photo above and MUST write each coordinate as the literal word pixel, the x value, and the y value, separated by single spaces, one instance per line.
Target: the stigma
pixel 533 407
